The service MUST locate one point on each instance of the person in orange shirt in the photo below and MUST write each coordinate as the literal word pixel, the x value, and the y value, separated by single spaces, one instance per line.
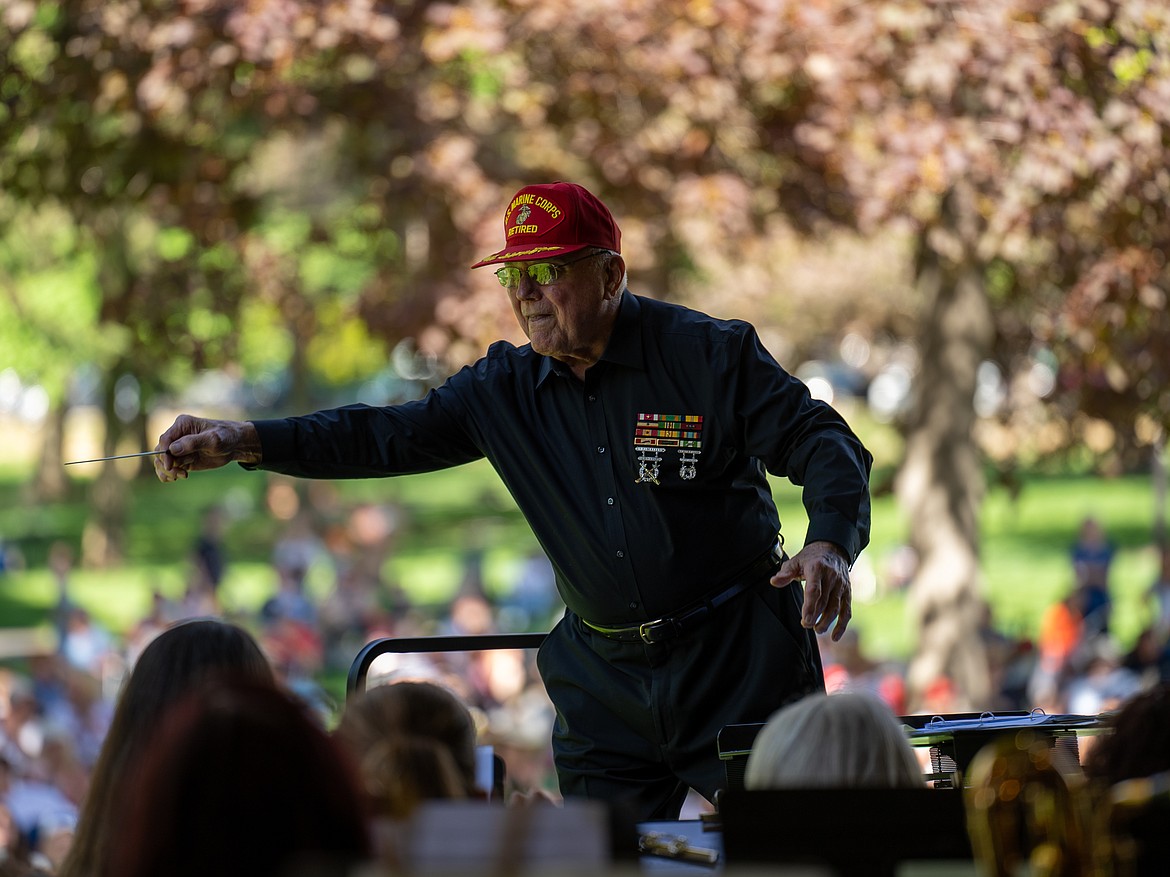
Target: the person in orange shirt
pixel 1061 633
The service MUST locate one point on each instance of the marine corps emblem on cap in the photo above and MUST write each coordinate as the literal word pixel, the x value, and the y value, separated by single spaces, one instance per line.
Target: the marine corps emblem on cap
pixel 531 214
pixel 553 219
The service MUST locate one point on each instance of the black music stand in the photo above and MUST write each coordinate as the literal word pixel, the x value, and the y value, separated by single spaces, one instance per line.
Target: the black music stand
pixel 848 832
pixel 953 738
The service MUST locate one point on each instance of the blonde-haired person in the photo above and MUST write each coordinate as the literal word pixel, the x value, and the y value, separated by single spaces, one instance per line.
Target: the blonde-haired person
pixel 849 739
pixel 424 730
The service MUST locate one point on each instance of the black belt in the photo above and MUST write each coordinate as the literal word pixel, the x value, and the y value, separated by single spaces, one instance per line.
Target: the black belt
pixel 673 626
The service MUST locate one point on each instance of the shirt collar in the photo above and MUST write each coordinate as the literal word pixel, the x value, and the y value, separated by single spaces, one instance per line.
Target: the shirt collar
pixel 625 342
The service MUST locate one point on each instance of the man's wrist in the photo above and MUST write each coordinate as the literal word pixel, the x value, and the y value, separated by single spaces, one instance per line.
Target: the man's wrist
pixel 833 548
pixel 248 448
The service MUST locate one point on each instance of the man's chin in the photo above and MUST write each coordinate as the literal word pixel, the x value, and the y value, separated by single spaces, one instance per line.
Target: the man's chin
pixel 541 344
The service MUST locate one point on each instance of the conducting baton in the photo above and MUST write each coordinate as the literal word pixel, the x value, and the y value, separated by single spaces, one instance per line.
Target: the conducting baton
pixel 116 457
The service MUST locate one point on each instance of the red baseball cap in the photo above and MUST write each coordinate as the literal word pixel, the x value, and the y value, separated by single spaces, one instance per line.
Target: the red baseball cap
pixel 552 219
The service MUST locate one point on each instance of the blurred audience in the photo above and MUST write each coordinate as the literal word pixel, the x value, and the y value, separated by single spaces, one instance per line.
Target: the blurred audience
pixel 60 562
pixel 1158 596
pixel 849 668
pixel 533 602
pixel 69 741
pixel 36 819
pixel 1092 559
pixel 209 554
pixel 1104 683
pixel 161 615
pixel 290 602
pixel 348 612
pixel 834 740
pixel 86 644
pixel 1060 638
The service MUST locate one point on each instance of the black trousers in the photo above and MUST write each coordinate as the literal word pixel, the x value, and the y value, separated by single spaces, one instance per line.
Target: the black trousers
pixel 636 724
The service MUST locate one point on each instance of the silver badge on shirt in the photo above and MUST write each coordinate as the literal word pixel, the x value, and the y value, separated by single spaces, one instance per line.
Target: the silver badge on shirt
pixel 654 434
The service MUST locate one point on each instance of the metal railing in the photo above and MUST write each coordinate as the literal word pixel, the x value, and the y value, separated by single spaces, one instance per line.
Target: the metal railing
pixel 405 645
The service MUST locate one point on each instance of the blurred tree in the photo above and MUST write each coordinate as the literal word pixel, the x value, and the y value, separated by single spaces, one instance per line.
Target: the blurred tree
pixel 657 108
pixel 49 303
pixel 127 118
pixel 346 161
pixel 193 147
pixel 434 113
pixel 1026 145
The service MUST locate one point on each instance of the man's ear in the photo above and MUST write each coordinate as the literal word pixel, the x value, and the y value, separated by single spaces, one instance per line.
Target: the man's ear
pixel 615 276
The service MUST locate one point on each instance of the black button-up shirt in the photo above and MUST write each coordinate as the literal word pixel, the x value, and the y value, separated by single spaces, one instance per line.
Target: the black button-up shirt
pixel 645 484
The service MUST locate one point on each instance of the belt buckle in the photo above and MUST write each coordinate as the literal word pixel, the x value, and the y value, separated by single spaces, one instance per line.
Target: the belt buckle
pixel 646 633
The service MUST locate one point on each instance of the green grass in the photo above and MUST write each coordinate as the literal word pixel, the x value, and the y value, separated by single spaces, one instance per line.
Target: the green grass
pixel 1026 544
pixel 1024 547
pixel 444 513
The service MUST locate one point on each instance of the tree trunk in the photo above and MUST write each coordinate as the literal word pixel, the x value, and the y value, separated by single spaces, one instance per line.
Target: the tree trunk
pixel 1158 467
pixel 50 484
pixel 103 539
pixel 940 483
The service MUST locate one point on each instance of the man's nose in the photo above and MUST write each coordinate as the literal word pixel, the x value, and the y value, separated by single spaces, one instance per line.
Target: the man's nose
pixel 526 287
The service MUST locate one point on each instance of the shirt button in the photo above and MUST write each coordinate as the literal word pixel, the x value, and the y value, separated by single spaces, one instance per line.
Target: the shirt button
pixel 621 553
pixel 592 398
pixel 609 501
pixel 633 605
pixel 601 449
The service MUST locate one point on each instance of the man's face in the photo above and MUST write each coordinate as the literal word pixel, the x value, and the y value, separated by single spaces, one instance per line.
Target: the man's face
pixel 569 318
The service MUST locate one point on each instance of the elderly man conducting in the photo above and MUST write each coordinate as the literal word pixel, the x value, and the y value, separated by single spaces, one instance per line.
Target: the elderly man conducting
pixel 636 437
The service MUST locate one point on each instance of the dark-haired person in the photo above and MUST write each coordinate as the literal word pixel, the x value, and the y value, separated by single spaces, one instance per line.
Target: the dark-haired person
pixel 170 666
pixel 242 780
pixel 1129 769
pixel 636 437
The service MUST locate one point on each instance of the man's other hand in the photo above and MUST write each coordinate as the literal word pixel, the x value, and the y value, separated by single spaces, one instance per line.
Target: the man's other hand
pixel 828 593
